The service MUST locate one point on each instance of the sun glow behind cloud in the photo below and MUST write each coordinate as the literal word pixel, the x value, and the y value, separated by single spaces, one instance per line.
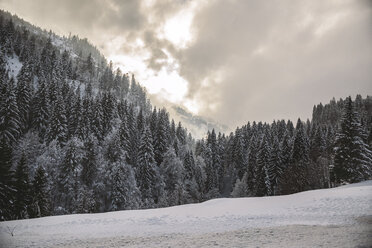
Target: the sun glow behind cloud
pixel 178 29
pixel 166 84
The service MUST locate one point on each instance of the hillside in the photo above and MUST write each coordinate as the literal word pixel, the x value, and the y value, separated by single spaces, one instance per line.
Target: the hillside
pixel 335 217
pixel 198 126
pixel 77 136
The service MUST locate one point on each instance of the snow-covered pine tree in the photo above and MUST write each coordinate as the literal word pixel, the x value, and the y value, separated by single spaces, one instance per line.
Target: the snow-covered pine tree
pixel 145 173
pixel 161 137
pixel 40 111
pixel 69 173
pixel 239 154
pixel 75 114
pixel 89 161
pixel 58 122
pixel 97 121
pixel 9 121
pixel 252 164
pixel 40 194
pixel 174 173
pixel 23 91
pixel 22 198
pixel 353 157
pixel 240 188
pixel 6 181
pixel 296 174
pixel 262 186
pixel 274 169
pixel 125 193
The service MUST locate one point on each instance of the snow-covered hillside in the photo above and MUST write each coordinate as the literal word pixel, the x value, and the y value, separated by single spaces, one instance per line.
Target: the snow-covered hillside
pixel 198 126
pixel 13 65
pixel 338 215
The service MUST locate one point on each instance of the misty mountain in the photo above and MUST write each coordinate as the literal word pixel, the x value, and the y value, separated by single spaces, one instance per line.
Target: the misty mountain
pixel 198 126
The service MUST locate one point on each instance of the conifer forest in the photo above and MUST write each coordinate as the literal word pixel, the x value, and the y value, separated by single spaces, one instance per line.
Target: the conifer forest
pixel 80 136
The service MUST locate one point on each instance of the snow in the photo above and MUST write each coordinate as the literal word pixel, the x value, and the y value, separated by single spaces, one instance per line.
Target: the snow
pixel 13 66
pixel 337 211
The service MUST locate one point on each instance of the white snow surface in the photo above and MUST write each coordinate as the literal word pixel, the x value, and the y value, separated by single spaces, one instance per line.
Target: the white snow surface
pixel 337 206
pixel 13 65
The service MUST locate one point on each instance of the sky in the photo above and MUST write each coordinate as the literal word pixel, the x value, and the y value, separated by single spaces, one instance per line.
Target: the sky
pixel 229 60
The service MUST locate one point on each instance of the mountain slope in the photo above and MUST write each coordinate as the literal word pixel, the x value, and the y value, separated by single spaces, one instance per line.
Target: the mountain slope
pixel 198 126
pixel 341 206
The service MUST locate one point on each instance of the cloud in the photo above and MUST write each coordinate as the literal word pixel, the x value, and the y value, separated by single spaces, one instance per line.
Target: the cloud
pixel 265 60
pixel 246 60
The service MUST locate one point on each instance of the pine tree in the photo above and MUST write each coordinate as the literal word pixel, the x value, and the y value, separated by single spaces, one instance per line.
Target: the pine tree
pixel 181 134
pixel 296 174
pixel 274 169
pixel 40 111
pixel 173 172
pixel 58 122
pixel 86 201
pixel 240 188
pixel 22 190
pixel 252 164
pixel 146 172
pixel 89 162
pixel 161 138
pixel 97 121
pixel 353 158
pixel 75 115
pixel 239 154
pixel 24 91
pixel 263 156
pixel 69 175
pixel 124 86
pixel 191 186
pixel 125 194
pixel 285 159
pixel 89 65
pixel 9 121
pixel 40 194
pixel 6 181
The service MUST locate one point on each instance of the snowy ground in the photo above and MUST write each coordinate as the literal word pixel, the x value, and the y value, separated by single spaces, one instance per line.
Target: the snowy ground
pixel 339 217
pixel 13 66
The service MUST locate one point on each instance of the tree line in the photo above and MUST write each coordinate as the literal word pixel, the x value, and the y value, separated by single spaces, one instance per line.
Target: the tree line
pixel 78 137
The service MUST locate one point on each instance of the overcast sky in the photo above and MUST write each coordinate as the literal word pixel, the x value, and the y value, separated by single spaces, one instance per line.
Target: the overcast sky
pixel 233 61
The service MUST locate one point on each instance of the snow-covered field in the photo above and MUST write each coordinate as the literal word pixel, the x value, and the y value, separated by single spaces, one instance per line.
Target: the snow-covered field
pixel 338 217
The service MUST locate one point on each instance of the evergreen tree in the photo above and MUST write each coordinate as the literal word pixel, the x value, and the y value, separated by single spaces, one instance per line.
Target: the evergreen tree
pixel 262 186
pixel 89 162
pixel 97 121
pixel 252 164
pixel 174 173
pixel 161 138
pixel 6 181
pixel 40 194
pixel 274 169
pixel 296 174
pixel 40 111
pixel 353 158
pixel 24 91
pixel 146 172
pixel 240 188
pixel 239 154
pixel 125 194
pixel 69 175
pixel 9 121
pixel 22 190
pixel 58 122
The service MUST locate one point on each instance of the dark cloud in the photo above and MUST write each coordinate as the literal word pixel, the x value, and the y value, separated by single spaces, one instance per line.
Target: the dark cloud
pixel 248 60
pixel 264 60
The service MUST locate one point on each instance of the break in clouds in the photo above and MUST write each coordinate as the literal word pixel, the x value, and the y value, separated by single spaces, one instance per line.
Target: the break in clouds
pixel 244 60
